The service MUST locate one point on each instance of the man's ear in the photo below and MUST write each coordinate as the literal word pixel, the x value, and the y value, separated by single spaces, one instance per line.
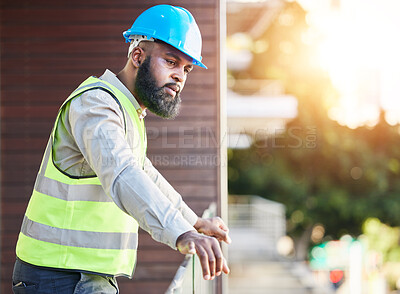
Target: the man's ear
pixel 137 56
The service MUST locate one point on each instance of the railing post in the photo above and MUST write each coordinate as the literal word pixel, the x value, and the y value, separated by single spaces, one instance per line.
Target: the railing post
pixel 189 278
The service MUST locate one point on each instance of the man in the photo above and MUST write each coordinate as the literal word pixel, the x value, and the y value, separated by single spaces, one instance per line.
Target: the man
pixel 95 185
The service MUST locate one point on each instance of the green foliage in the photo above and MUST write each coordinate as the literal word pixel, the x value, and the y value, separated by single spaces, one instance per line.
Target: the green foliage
pixel 383 239
pixel 338 177
pixel 323 172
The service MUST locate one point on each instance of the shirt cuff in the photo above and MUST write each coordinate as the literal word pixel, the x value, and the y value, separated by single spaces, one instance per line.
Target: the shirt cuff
pixel 189 214
pixel 176 228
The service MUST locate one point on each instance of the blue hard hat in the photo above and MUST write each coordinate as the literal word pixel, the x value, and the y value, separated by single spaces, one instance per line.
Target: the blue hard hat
pixel 173 25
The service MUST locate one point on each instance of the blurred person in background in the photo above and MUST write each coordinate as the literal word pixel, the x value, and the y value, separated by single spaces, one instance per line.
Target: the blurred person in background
pixel 96 186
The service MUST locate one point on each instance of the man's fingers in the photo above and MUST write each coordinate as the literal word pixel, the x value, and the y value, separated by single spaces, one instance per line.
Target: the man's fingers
pixel 203 257
pixel 227 239
pixel 214 227
pixel 211 261
pixel 221 230
pixel 219 223
pixel 223 236
pixel 218 258
pixel 208 250
pixel 225 267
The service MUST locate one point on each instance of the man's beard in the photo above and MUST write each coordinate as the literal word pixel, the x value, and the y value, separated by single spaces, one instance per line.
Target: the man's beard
pixel 154 98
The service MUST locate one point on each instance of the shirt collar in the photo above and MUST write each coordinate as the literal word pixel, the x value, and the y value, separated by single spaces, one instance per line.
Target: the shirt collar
pixel 111 78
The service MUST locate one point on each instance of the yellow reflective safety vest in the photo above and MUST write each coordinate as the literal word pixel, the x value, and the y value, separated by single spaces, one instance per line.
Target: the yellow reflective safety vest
pixel 70 222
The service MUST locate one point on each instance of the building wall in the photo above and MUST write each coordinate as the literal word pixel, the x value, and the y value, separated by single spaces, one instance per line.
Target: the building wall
pixel 47 49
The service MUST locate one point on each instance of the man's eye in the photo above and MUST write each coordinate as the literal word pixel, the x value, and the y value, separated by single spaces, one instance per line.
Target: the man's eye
pixel 171 62
pixel 188 70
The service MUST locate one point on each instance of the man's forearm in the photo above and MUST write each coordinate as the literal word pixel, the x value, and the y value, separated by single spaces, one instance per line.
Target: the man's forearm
pixel 170 192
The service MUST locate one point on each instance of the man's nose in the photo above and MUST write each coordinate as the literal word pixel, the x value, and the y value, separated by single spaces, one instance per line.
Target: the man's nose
pixel 179 75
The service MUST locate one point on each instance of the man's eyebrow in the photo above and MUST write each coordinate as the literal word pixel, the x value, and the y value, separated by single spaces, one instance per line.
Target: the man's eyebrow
pixel 173 55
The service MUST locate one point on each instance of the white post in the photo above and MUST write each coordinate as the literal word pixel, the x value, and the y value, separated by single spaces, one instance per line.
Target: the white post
pixel 355 268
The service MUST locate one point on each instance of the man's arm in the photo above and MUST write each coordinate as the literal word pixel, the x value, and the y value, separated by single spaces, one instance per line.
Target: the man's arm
pixel 98 128
pixel 170 192
pixel 214 227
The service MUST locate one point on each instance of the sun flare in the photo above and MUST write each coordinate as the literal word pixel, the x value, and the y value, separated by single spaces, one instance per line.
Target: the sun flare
pixel 359 48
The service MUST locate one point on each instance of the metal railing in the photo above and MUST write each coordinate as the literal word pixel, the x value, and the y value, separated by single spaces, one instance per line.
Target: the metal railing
pixel 256 221
pixel 189 278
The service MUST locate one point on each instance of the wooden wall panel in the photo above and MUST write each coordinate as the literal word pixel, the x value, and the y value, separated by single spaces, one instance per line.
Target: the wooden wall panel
pixel 47 49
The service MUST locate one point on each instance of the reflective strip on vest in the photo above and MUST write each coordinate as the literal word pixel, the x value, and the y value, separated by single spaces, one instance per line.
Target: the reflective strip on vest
pixel 60 190
pixel 99 240
pixel 70 222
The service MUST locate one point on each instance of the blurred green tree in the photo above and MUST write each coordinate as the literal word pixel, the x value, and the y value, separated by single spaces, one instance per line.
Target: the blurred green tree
pixel 323 172
pixel 383 242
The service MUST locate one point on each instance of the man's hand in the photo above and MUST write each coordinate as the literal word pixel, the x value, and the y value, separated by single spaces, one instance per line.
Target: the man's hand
pixel 208 250
pixel 214 227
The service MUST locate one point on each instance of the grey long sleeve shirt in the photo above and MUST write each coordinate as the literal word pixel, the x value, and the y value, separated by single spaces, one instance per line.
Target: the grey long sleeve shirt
pixel 90 140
